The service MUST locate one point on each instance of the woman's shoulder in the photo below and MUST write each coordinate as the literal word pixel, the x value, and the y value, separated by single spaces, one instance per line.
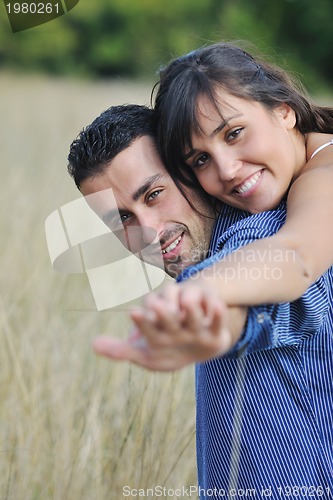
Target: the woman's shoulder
pixel 315 142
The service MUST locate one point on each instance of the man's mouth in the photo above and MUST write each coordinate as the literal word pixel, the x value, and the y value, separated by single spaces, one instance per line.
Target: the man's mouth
pixel 249 183
pixel 172 245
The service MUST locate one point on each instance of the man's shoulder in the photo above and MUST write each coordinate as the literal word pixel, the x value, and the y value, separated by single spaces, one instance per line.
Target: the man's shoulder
pixel 234 229
pixel 232 222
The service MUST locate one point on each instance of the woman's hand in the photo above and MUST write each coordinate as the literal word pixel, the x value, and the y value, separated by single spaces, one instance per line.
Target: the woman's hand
pixel 180 325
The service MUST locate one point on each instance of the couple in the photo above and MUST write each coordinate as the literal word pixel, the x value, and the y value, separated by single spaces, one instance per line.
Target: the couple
pixel 264 407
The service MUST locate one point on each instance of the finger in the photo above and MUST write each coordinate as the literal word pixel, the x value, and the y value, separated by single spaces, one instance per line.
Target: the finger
pixel 169 292
pixel 139 354
pixel 194 310
pixel 113 348
pixel 202 298
pixel 139 314
pixel 158 317
pixel 168 314
pixel 120 350
pixel 155 335
pixel 167 297
pixel 146 322
pixel 134 334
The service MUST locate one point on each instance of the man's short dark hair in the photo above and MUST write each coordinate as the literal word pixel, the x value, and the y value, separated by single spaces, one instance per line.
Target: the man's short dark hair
pixel 107 136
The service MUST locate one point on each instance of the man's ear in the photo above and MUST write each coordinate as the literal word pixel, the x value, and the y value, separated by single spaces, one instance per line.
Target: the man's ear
pixel 287 115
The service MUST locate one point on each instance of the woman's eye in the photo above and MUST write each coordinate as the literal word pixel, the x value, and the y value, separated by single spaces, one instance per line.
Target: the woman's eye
pixel 154 194
pixel 200 160
pixel 234 134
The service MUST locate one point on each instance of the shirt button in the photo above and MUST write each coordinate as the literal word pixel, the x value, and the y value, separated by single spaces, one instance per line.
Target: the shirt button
pixel 260 318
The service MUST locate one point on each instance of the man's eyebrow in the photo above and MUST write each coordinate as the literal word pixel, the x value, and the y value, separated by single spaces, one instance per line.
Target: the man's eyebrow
pixel 144 188
pixel 217 130
pixel 115 212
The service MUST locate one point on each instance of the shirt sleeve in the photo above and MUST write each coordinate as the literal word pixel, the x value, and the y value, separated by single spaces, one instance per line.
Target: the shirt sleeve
pixel 270 325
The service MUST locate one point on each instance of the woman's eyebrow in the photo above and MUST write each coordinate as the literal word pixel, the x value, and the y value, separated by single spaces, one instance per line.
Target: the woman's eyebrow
pixel 189 154
pixel 218 129
pixel 223 124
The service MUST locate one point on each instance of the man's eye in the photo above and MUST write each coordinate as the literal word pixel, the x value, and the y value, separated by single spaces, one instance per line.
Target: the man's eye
pixel 154 194
pixel 123 218
pixel 117 222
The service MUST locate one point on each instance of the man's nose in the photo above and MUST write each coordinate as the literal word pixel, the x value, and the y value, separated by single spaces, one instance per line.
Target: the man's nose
pixel 149 235
pixel 150 227
pixel 136 238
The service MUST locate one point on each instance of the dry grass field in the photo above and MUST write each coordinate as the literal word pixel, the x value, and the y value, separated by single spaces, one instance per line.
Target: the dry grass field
pixel 72 425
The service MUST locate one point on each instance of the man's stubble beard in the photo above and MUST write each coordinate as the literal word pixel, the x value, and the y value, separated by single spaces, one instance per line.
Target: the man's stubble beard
pixel 195 254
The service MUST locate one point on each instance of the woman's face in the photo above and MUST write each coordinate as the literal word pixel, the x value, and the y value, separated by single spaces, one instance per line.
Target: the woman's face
pixel 246 155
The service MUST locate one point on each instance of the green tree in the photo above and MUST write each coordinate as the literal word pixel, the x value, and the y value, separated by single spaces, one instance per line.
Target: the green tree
pixel 134 37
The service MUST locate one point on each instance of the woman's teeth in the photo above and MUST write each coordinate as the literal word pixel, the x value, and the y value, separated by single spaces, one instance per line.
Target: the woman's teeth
pixel 172 245
pixel 249 184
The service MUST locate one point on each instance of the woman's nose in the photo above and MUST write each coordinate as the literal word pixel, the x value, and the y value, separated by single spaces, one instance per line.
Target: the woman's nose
pixel 227 168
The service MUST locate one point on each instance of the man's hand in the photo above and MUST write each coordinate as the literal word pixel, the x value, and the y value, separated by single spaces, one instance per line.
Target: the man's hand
pixel 180 325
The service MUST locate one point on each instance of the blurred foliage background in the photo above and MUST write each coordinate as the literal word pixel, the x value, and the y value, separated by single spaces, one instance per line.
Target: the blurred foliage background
pixel 108 38
pixel 74 426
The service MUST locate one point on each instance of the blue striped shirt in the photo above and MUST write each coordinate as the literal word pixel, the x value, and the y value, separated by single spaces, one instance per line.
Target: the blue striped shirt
pixel 264 410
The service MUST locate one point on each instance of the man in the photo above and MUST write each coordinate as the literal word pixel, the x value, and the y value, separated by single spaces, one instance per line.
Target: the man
pixel 118 152
pixel 151 201
pixel 264 418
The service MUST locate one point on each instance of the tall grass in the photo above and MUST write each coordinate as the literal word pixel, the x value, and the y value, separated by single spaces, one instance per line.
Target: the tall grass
pixel 72 426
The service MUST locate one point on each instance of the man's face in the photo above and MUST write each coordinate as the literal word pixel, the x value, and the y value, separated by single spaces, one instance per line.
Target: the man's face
pixel 147 208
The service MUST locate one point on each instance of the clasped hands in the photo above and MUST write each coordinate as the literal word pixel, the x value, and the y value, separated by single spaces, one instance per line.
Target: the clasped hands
pixel 179 325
